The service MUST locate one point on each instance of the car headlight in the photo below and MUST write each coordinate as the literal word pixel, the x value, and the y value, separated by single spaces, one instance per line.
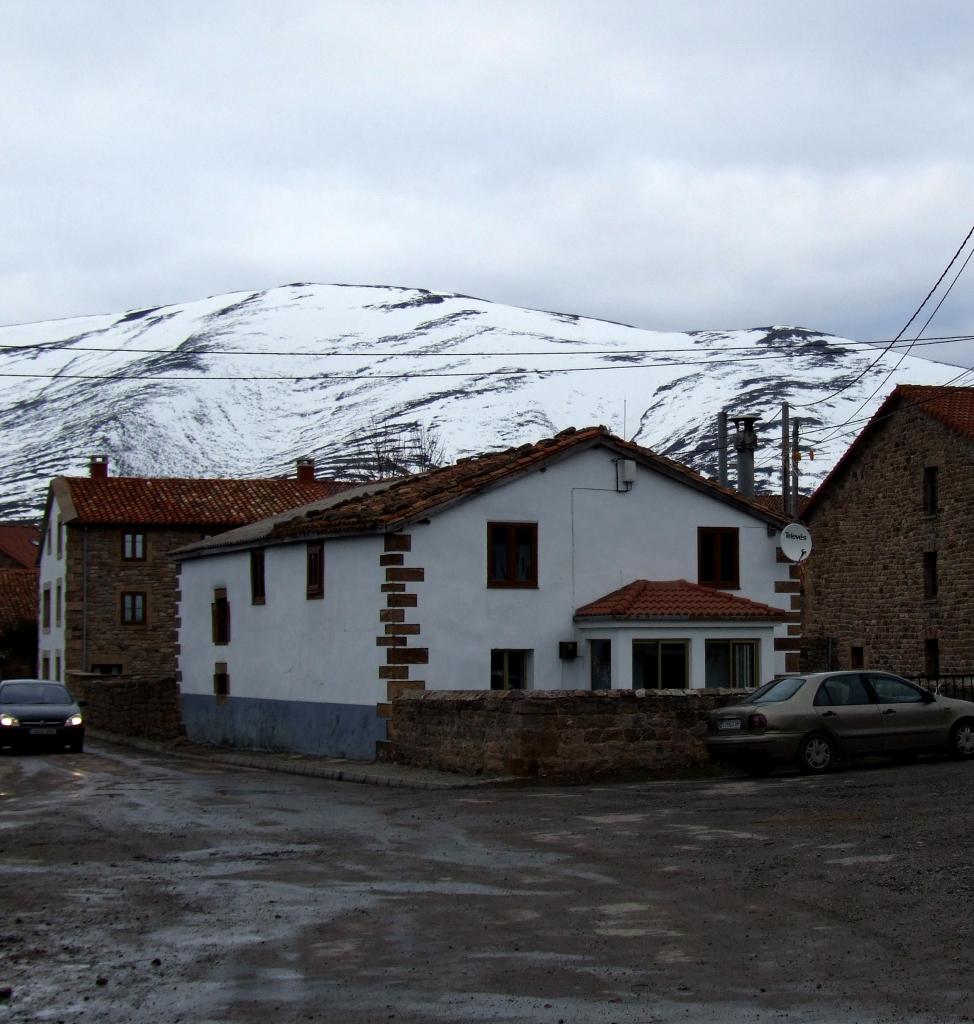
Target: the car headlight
pixel 73 720
pixel 9 720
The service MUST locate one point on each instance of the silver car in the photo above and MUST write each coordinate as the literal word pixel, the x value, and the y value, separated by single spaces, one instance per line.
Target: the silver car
pixel 814 720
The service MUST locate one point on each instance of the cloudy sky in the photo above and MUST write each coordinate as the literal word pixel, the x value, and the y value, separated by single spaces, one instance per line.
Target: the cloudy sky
pixel 700 164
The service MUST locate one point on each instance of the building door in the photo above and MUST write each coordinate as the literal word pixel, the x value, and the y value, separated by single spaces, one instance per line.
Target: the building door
pixel 600 662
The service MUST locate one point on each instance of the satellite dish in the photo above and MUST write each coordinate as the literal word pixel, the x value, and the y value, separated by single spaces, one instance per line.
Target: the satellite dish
pixel 795 542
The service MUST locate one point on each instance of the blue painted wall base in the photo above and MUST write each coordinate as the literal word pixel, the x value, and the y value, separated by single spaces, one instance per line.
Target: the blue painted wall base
pixel 305 727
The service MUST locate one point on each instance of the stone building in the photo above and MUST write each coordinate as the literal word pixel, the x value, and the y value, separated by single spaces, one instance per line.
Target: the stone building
pixel 107 588
pixel 890 582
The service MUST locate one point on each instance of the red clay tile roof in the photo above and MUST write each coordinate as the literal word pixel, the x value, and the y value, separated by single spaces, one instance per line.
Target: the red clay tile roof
pixel 189 502
pixel 416 497
pixel 675 599
pixel 952 406
pixel 20 541
pixel 18 596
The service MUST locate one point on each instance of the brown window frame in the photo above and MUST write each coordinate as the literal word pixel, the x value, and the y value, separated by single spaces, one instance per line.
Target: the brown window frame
pixel 133 619
pixel 315 570
pixel 719 536
pixel 138 542
pixel 220 617
pixel 46 607
pixel 509 580
pixel 258 582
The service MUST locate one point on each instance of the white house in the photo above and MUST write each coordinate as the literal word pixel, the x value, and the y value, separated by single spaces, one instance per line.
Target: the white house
pixel 580 561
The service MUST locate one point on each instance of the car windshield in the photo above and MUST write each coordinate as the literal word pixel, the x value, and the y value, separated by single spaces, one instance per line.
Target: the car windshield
pixel 34 693
pixel 777 690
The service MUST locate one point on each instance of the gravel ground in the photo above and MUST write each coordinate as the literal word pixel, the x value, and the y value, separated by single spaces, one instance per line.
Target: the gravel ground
pixel 144 888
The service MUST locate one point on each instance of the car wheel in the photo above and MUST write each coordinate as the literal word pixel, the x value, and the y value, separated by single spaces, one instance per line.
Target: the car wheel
pixel 816 754
pixel 962 739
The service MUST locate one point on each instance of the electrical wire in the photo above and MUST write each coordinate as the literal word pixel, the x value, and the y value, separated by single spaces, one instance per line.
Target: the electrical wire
pixel 903 331
pixel 41 347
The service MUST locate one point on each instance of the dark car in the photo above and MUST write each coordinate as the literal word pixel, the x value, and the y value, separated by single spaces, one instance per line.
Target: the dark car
pixel 34 712
pixel 813 720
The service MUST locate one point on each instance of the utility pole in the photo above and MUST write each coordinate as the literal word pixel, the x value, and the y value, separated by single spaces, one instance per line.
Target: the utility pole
pixel 722 447
pixel 795 457
pixel 785 459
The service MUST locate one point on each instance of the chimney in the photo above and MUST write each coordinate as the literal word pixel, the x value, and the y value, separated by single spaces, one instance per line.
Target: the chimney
pixel 306 471
pixel 746 442
pixel 98 467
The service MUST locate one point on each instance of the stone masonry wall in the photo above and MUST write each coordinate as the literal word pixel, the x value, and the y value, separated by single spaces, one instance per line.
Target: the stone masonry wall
pixel 557 733
pixel 864 582
pixel 148 649
pixel 145 707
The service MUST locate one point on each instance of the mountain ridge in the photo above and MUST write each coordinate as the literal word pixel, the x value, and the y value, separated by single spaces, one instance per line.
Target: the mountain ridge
pixel 244 383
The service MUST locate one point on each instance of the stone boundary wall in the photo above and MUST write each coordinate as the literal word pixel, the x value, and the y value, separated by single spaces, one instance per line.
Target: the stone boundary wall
pixel 130 705
pixel 558 733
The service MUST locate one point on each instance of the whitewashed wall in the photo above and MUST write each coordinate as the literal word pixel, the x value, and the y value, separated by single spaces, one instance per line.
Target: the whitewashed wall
pixel 320 658
pixel 53 571
pixel 591 541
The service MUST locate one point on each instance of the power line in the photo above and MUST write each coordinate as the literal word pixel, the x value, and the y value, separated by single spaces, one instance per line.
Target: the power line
pixel 41 347
pixel 916 313
pixel 906 352
pixel 405 375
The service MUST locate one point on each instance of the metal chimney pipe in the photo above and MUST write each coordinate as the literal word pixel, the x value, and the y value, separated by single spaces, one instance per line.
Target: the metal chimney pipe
pixel 746 443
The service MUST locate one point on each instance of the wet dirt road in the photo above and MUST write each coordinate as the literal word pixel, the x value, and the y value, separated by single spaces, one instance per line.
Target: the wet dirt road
pixel 139 888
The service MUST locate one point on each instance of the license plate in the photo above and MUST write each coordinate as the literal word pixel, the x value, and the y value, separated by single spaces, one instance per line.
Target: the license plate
pixel 43 732
pixel 729 723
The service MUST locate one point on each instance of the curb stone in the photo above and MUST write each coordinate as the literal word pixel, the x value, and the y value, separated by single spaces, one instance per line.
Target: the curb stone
pixel 335 769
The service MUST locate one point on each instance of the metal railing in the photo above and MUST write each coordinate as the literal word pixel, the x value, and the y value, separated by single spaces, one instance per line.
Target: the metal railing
pixel 961 686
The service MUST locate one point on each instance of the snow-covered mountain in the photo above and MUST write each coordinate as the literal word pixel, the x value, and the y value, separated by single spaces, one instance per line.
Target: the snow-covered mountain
pixel 243 384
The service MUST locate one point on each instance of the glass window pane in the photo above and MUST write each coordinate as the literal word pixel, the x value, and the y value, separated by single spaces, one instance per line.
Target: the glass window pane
pixel 524 553
pixel 645 664
pixel 744 662
pixel 673 666
pixel 498 553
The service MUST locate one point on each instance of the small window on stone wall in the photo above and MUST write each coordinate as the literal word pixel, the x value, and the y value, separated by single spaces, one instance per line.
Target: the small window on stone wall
pixel 133 546
pixel 106 669
pixel 133 608
pixel 857 657
pixel 221 682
